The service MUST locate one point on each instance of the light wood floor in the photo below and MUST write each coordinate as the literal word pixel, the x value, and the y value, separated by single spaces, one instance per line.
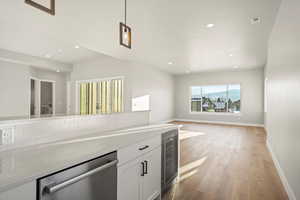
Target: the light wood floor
pixel 225 163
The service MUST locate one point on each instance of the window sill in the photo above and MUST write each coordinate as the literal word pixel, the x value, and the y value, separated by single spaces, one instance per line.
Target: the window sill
pixel 146 110
pixel 216 113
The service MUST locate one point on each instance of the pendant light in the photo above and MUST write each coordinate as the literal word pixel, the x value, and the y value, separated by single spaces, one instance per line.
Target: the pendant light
pixel 125 31
pixel 43 6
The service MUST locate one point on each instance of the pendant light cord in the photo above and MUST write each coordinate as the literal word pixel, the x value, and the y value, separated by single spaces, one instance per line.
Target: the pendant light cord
pixel 125 11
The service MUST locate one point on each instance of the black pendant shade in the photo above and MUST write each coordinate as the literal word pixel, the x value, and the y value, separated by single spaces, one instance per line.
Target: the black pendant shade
pixel 50 8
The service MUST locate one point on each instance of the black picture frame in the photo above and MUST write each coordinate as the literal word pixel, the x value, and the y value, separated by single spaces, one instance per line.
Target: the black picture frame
pixel 124 27
pixel 50 10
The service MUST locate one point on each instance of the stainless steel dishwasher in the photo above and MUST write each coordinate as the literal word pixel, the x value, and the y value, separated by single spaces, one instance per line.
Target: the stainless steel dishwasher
pixel 92 180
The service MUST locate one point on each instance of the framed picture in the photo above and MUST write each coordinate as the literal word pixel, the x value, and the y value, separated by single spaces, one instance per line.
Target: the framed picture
pixel 44 5
pixel 125 35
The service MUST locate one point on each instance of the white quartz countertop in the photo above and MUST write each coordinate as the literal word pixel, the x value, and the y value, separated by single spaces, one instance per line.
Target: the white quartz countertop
pixel 24 165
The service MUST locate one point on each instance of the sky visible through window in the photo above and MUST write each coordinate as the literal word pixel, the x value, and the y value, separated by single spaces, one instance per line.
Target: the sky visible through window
pixel 215 89
pixel 196 90
pixel 208 89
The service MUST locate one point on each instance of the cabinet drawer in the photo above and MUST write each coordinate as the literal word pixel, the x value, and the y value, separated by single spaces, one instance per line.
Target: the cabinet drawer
pixel 132 152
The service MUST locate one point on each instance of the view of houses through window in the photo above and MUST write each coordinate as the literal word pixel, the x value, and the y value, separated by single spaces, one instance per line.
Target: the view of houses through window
pixel 100 96
pixel 217 98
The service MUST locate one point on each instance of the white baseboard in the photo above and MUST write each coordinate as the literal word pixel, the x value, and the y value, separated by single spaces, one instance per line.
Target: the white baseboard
pixel 280 171
pixel 219 122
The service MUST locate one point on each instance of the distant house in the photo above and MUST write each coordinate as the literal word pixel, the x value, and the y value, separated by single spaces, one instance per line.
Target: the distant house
pixel 220 105
pixel 205 105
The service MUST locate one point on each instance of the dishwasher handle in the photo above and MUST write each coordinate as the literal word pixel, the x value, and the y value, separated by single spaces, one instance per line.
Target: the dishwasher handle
pixel 54 188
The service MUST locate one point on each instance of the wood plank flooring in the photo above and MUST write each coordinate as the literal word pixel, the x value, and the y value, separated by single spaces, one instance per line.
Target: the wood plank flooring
pixel 220 162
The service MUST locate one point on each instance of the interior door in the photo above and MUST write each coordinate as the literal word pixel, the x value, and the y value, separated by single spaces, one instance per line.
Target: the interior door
pixel 34 97
pixel 151 185
pixel 47 98
pixel 129 181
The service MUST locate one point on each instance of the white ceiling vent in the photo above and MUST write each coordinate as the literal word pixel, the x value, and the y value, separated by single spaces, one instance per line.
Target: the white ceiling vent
pixel 255 20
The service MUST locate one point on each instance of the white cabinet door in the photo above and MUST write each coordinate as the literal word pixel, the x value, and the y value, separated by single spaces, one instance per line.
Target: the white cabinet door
pixel 129 181
pixel 152 180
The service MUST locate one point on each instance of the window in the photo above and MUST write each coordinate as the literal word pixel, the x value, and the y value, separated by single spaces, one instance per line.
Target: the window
pixel 100 96
pixel 216 99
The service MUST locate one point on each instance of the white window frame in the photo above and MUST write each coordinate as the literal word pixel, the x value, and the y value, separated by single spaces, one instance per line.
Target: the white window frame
pixel 78 82
pixel 214 113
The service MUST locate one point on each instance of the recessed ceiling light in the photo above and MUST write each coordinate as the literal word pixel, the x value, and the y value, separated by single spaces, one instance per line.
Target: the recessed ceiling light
pixel 210 25
pixel 48 56
pixel 57 70
pixel 170 63
pixel 255 20
pixel 230 55
pixel 77 47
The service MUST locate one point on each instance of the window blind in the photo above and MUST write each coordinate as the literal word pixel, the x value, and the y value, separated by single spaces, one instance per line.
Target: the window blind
pixel 101 97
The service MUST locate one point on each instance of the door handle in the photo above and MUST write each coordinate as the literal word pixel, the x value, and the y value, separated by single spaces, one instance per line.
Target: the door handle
pixel 54 188
pixel 143 169
pixel 143 148
pixel 146 166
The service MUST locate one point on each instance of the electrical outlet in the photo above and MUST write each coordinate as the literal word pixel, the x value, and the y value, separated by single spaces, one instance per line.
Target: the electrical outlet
pixel 7 136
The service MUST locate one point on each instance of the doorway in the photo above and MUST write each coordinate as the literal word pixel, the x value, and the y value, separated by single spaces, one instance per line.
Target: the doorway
pixel 42 97
pixel 47 98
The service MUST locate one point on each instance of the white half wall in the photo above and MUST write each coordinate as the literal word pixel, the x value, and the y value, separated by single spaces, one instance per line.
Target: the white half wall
pixel 14 89
pixel 252 96
pixel 283 95
pixel 139 80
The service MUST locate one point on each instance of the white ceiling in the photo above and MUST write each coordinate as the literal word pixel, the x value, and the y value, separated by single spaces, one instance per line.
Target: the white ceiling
pixel 163 31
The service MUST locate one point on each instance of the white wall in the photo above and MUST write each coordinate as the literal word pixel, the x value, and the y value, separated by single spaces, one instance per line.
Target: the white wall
pixel 139 80
pixel 14 89
pixel 283 93
pixel 252 87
